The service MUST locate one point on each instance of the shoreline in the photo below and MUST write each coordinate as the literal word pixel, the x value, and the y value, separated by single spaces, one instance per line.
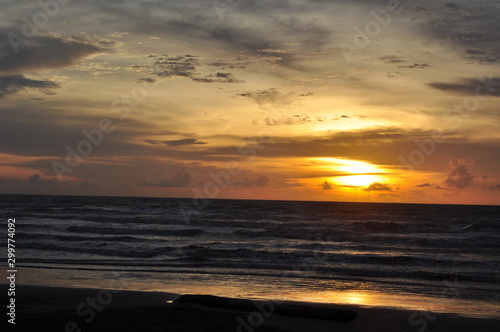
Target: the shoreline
pixel 102 309
pixel 265 289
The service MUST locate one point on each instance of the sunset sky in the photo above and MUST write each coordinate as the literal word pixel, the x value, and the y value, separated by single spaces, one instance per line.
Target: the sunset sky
pixel 362 100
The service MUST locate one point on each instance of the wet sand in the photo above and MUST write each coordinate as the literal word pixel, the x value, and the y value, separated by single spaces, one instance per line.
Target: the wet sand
pixel 76 309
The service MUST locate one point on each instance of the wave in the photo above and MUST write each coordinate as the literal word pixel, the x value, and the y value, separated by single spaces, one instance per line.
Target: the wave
pixel 123 231
pixel 90 248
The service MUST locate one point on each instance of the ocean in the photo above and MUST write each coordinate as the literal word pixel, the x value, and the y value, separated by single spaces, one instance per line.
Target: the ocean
pixel 442 258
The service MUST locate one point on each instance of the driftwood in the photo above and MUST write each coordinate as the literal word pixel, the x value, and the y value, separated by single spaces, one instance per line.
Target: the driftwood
pixel 271 307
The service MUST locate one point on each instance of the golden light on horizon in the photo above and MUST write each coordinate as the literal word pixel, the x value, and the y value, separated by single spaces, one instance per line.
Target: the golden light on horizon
pixel 356 297
pixel 358 180
pixel 344 297
pixel 357 173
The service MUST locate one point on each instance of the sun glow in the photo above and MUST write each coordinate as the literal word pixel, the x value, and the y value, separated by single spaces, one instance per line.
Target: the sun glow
pixel 358 180
pixel 353 173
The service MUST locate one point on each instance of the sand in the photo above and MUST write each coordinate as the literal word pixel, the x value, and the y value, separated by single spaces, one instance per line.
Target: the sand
pixel 73 309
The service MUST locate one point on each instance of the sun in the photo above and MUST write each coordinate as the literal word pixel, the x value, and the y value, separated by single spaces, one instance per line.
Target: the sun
pixel 354 173
pixel 358 180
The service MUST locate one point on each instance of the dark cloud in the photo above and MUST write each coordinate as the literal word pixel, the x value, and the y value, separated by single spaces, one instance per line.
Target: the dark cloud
pixel 178 142
pixel 416 66
pixel 13 83
pixel 376 186
pixel 178 66
pixel 271 97
pixel 188 66
pixel 27 131
pixel 259 42
pixel 46 52
pixel 468 25
pixel 218 78
pixel 392 59
pixel 459 175
pixel 181 179
pixel 494 187
pixel 146 80
pixel 239 62
pixel 260 181
pixel 484 59
pixel 457 9
pixel 468 86
pixel 199 22
pixel 475 52
pixel 379 146
pixel 394 75
pixel 33 129
pixel 327 185
pixel 423 185
pixel 187 141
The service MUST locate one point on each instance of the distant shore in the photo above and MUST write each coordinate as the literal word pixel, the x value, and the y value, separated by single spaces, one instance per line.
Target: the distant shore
pixel 41 308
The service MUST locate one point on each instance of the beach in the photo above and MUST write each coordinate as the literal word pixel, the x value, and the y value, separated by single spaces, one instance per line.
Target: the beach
pixel 244 165
pixel 118 263
pixel 67 309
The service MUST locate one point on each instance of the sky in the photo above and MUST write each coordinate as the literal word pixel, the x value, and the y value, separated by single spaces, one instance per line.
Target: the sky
pixel 362 100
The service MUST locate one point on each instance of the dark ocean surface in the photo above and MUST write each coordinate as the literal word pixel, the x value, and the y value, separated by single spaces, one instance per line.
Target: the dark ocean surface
pixel 444 258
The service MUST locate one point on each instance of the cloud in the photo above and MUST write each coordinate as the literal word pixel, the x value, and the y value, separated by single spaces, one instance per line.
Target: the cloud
pixel 474 52
pixel 178 142
pixel 14 83
pixel 459 175
pixel 218 78
pixel 36 179
pixel 178 66
pixel 423 185
pixel 416 66
pixel 188 66
pixel 291 184
pixel 258 41
pixel 494 187
pixel 181 179
pixel 239 62
pixel 260 181
pixel 47 52
pixel 146 80
pixel 484 59
pixel 456 9
pixel 392 59
pixel 199 21
pixel 451 7
pixel 187 141
pixel 470 25
pixel 376 186
pixel 468 86
pixel 327 185
pixel 271 97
